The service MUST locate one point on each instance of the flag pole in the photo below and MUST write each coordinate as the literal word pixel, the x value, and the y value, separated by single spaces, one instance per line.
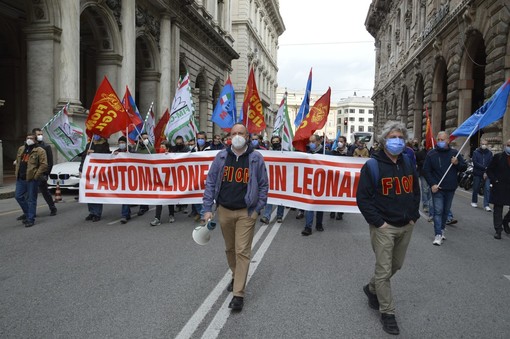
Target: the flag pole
pixel 458 152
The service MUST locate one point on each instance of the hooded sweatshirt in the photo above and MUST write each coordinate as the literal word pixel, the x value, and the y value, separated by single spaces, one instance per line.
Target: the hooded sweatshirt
pixel 396 197
pixel 436 164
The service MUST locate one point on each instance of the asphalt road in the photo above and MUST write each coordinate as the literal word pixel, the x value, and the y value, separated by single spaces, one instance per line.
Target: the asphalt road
pixel 68 278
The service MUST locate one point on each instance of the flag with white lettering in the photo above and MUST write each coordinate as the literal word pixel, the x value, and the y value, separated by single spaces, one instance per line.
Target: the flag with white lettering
pixel 282 125
pixel 68 138
pixel 182 120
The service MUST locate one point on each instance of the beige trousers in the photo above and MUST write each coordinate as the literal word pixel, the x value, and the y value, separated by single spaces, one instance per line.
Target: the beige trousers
pixel 390 246
pixel 238 229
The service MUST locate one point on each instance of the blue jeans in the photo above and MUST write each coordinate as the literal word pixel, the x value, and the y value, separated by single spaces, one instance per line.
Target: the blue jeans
pixel 96 209
pixel 442 205
pixel 309 218
pixel 477 180
pixel 269 208
pixel 426 194
pixel 126 211
pixel 199 208
pixel 26 196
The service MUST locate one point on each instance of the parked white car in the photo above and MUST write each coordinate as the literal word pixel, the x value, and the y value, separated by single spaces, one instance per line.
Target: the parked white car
pixel 67 173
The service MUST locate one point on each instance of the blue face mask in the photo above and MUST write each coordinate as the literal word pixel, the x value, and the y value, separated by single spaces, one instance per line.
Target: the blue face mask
pixel 254 142
pixel 97 137
pixel 507 150
pixel 441 144
pixel 312 146
pixel 395 146
pixel 200 142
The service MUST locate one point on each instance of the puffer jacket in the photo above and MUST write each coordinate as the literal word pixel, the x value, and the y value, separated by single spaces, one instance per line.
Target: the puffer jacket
pixel 481 159
pixel 258 183
pixel 37 163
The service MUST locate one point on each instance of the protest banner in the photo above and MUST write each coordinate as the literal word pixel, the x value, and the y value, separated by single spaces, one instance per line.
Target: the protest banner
pixel 300 180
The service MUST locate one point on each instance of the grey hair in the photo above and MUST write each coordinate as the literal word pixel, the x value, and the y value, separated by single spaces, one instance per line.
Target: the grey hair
pixel 389 127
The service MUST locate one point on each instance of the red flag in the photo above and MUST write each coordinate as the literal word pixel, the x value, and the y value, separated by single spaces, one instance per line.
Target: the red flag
pixel 159 130
pixel 106 115
pixel 253 112
pixel 429 137
pixel 315 120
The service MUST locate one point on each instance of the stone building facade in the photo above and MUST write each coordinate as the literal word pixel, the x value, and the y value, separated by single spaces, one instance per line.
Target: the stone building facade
pixel 447 55
pixel 53 52
pixel 256 26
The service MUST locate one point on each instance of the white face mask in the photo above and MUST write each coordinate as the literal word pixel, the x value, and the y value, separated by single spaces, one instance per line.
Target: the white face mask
pixel 238 142
pixel 145 142
pixel 40 138
pixel 483 146
pixel 122 146
pixel 340 144
pixel 30 142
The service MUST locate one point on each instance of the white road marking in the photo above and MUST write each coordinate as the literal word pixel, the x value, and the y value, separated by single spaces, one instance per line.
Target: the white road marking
pixel 199 315
pixel 219 320
pixel 507 276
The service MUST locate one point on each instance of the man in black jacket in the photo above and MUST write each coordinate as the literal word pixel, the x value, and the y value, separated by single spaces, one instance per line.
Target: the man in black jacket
pixel 43 183
pixel 388 196
pixel 442 179
pixel 498 172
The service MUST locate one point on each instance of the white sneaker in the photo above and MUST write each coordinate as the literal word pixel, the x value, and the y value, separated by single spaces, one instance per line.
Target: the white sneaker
pixel 474 204
pixel 488 209
pixel 155 222
pixel 443 236
pixel 437 240
pixel 171 219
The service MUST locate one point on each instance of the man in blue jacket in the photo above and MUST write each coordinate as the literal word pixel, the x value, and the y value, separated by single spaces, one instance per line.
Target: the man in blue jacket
pixel 437 163
pixel 388 196
pixel 237 181
pixel 482 157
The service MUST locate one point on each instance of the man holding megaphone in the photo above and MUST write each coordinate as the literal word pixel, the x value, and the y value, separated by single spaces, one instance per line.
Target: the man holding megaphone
pixel 237 181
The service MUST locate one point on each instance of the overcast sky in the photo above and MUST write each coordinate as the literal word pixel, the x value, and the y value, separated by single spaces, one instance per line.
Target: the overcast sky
pixel 330 36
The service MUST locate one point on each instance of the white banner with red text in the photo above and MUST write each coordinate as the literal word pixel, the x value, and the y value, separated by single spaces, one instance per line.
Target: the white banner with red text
pixel 305 181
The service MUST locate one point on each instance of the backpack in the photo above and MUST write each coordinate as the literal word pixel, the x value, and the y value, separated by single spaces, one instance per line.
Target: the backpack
pixel 373 167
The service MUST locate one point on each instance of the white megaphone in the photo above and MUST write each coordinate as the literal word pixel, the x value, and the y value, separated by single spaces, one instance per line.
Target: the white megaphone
pixel 202 234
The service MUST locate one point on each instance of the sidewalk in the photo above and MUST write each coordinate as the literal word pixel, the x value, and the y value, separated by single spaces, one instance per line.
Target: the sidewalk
pixel 9 186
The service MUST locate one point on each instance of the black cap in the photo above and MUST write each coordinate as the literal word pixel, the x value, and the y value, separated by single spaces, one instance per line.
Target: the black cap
pixel 122 138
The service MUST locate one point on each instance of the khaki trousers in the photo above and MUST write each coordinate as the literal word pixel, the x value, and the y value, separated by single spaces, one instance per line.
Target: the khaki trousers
pixel 390 246
pixel 238 229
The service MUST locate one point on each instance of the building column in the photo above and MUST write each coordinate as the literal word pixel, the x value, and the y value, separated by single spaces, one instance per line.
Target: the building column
pixel 465 91
pixel 41 55
pixel 165 42
pixel 108 64
pixel 175 58
pixel 69 67
pixel 148 87
pixel 128 32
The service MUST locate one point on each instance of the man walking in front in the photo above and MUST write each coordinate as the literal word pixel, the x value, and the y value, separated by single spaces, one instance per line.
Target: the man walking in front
pixel 31 164
pixel 442 179
pixel 43 183
pixel 237 181
pixel 388 196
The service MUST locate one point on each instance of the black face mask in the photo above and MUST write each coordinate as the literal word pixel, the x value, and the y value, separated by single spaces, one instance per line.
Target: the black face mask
pixel 276 145
pixel 179 146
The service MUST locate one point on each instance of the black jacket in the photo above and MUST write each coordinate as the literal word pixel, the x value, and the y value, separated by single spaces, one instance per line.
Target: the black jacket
pixel 49 155
pixel 499 175
pixel 437 162
pixel 396 199
pixel 420 160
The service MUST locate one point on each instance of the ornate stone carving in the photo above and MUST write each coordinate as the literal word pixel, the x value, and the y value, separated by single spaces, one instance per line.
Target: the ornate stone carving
pixel 115 7
pixel 148 21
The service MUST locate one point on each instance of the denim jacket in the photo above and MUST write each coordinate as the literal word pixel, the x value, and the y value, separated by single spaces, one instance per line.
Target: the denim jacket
pixel 258 183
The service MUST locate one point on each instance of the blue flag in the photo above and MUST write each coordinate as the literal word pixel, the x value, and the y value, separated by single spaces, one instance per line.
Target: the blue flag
pixel 305 105
pixel 491 111
pixel 225 112
pixel 335 143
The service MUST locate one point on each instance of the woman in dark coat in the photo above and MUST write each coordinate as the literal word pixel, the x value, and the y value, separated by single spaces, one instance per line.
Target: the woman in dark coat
pixel 498 172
